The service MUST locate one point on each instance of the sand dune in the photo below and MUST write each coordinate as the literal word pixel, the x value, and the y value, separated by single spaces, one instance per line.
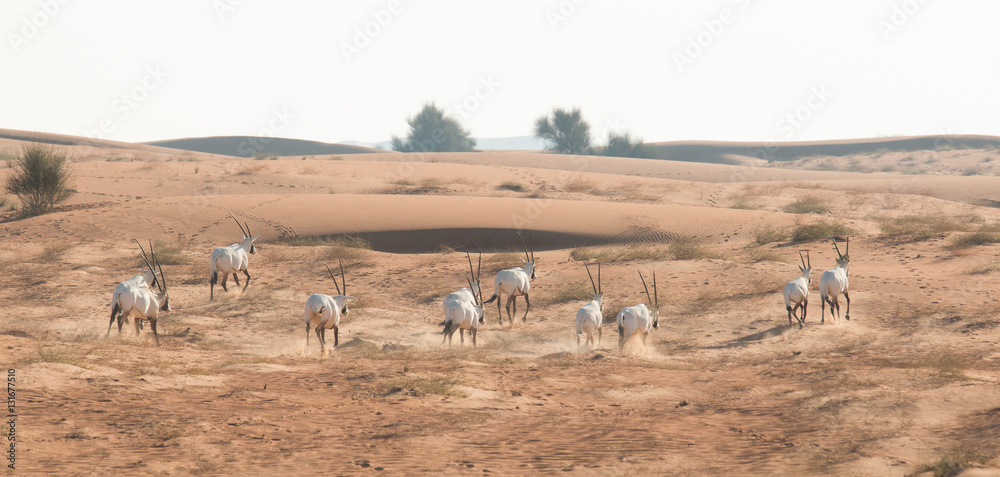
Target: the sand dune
pixel 730 151
pixel 250 146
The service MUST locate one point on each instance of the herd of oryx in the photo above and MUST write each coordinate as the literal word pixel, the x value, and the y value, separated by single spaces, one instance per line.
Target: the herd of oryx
pixel 464 309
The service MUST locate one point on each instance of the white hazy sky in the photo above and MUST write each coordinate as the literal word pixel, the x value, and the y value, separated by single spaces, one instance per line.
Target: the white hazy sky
pixel 852 68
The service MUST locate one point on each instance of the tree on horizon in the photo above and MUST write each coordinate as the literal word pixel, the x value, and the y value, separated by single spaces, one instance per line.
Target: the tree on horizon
pixel 432 131
pixel 565 131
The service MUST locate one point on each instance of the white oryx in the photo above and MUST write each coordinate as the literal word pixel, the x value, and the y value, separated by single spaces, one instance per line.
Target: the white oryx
pixel 797 291
pixel 324 312
pixel 834 283
pixel 134 298
pixel 515 282
pixel 467 294
pixel 590 316
pixel 148 276
pixel 462 315
pixel 639 319
pixel 232 259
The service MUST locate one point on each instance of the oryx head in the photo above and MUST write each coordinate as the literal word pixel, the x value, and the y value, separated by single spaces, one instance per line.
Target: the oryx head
pixel 474 285
pixel 163 298
pixel 341 295
pixel 248 240
pixel 843 259
pixel 529 260
pixel 806 267
pixel 598 295
pixel 150 269
pixel 654 301
pixel 477 296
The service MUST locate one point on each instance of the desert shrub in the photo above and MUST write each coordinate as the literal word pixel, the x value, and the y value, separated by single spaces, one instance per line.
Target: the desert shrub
pixel 690 249
pixel 432 131
pixel 620 254
pixel 512 185
pixel 40 179
pixel 567 292
pixel 820 231
pixel 744 204
pixel 807 205
pixel 565 131
pixel 919 227
pixel 623 144
pixel 580 185
pixel 986 235
pixel 766 235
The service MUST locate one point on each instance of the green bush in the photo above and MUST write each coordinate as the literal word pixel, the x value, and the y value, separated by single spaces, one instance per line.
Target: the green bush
pixel 432 131
pixel 565 131
pixel 40 179
pixel 623 144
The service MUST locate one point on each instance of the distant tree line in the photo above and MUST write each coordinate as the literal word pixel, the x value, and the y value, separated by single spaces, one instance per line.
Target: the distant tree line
pixel 564 132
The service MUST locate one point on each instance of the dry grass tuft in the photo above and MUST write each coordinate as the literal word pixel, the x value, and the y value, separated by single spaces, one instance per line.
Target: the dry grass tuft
pixel 821 231
pixel 569 292
pixel 620 254
pixel 691 249
pixel 512 186
pixel 918 227
pixel 769 234
pixel 807 205
pixel 987 234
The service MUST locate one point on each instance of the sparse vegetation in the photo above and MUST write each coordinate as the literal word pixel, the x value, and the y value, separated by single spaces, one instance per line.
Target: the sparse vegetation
pixel 40 179
pixel 620 254
pixel 952 463
pixel 512 186
pixel 987 234
pixel 686 248
pixel 820 231
pixel 769 234
pixel 919 227
pixel 567 292
pixel 807 205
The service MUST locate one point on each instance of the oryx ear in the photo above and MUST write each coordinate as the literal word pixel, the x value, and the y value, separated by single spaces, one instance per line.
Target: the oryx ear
pixel 255 237
pixel 349 298
pixel 522 261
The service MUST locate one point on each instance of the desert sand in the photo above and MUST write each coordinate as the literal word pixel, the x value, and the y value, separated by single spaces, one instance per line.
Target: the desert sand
pixel 724 386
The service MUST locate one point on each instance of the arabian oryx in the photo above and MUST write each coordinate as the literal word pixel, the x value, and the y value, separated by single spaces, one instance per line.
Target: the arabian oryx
pixel 467 294
pixel 232 259
pixel 590 316
pixel 515 282
pixel 324 311
pixel 797 291
pixel 639 319
pixel 833 283
pixel 462 315
pixel 134 298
